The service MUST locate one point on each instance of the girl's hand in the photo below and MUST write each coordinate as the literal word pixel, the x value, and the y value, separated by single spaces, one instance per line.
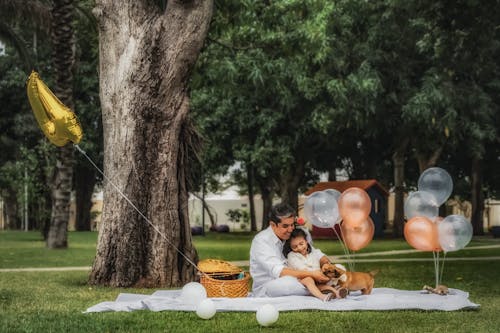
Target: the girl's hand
pixel 319 277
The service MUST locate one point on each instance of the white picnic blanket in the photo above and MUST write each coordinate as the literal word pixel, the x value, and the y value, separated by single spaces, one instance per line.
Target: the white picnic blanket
pixel 380 299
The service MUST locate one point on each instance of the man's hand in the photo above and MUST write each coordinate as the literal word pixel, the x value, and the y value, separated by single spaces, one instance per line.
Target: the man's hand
pixel 319 277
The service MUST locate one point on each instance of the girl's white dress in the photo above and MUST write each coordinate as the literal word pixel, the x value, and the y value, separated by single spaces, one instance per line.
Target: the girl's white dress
pixel 310 262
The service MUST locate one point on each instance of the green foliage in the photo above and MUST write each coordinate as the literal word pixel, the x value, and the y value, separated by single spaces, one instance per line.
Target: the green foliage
pixel 234 215
pixel 314 86
pixel 21 141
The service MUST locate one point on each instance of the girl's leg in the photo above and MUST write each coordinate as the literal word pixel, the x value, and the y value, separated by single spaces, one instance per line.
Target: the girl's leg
pixel 339 293
pixel 313 289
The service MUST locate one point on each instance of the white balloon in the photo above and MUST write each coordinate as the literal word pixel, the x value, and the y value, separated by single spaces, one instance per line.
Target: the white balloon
pixel 267 315
pixel 421 203
pixel 206 309
pixel 193 293
pixel 336 194
pixel 321 209
pixel 454 233
pixel 438 182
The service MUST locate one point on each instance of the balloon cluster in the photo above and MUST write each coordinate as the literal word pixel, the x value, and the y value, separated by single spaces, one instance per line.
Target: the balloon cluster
pixel 325 209
pixel 425 229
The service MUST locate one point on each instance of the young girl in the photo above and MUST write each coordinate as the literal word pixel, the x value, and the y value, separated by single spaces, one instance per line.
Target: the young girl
pixel 301 257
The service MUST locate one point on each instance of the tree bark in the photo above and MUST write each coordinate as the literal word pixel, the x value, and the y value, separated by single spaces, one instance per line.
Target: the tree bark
pixel 267 194
pixel 332 173
pixel 477 199
pixel 63 60
pixel 84 188
pixel 425 162
pixel 253 223
pixel 11 209
pixel 146 56
pixel 398 159
pixel 290 182
pixel 206 208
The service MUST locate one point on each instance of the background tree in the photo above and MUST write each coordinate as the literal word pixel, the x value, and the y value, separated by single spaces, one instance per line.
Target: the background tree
pixel 461 40
pixel 60 13
pixel 62 37
pixel 26 161
pixel 86 94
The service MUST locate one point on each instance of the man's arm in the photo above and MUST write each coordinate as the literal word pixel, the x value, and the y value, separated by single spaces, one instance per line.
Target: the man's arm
pixel 264 259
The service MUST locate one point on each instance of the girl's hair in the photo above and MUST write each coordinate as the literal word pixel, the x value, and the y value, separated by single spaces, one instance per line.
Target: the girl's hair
pixel 297 232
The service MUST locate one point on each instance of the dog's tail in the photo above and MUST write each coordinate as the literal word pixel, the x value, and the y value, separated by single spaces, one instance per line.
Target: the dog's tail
pixel 374 272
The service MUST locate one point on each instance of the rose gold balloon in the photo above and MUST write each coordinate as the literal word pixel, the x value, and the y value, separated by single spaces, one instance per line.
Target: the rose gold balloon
pixel 356 238
pixel 422 234
pixel 354 206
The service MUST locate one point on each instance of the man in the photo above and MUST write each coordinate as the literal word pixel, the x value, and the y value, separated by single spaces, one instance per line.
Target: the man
pixel 268 268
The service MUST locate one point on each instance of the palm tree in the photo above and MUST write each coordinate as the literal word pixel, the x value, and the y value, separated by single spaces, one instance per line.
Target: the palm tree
pixel 62 37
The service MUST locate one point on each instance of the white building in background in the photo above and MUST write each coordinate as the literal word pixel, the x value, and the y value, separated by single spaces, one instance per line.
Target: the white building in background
pixel 2 49
pixel 491 213
pixel 219 204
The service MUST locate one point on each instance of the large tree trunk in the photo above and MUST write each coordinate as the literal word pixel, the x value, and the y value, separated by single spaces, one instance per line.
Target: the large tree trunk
pixel 12 220
pixel 84 188
pixel 146 56
pixel 477 199
pixel 332 173
pixel 267 193
pixel 289 184
pixel 251 199
pixel 426 161
pixel 398 159
pixel 206 209
pixel 63 59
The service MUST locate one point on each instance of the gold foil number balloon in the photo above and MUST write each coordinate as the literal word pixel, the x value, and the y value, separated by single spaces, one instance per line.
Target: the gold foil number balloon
pixel 57 121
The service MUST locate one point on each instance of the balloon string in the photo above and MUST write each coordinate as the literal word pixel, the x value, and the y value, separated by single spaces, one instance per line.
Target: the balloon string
pixel 137 209
pixel 350 262
pixel 436 266
pixel 442 268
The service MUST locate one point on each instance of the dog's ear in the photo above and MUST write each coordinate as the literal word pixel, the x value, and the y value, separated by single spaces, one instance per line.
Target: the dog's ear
pixel 326 268
pixel 340 266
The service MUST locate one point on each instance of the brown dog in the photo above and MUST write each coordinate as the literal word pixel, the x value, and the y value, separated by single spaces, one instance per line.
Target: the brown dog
pixel 351 280
pixel 441 289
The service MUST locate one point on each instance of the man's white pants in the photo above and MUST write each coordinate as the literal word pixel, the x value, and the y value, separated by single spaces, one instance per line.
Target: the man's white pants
pixel 283 286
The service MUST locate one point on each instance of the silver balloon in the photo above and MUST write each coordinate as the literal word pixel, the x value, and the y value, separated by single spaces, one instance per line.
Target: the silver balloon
pixel 421 204
pixel 336 194
pixel 438 182
pixel 454 233
pixel 321 209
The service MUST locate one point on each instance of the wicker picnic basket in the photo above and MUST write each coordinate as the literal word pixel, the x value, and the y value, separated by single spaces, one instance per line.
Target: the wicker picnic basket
pixel 223 279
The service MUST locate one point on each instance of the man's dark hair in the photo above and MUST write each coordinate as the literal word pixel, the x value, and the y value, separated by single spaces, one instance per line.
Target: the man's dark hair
pixel 279 211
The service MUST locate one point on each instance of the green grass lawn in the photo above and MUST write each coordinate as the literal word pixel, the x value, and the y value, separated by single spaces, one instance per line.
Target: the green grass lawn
pixel 54 301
